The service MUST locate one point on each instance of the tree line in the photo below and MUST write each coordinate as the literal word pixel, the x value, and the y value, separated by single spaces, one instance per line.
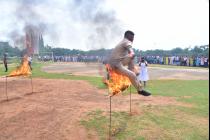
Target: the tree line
pixel 202 50
pixel 6 48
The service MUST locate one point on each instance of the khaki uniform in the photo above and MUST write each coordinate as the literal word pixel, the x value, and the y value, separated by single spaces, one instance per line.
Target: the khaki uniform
pixel 119 59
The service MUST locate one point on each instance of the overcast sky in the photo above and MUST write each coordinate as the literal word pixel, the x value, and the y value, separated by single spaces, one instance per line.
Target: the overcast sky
pixel 95 24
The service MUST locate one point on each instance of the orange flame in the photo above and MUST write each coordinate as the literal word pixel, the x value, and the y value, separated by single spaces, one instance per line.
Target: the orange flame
pixel 117 82
pixel 23 69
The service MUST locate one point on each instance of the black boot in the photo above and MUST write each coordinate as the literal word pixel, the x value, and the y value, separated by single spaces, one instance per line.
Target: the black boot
pixel 144 93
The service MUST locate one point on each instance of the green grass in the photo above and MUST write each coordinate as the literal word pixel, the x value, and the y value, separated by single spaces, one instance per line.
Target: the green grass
pixel 161 122
pixel 196 91
pixel 155 121
pixel 38 73
pixel 10 67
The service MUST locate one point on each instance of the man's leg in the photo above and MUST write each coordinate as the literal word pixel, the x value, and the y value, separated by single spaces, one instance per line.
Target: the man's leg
pixel 30 66
pixel 29 63
pixel 129 62
pixel 132 77
pixel 144 84
pixel 6 68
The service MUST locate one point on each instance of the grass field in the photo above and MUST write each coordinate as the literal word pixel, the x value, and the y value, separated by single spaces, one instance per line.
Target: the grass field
pixel 161 122
pixel 155 122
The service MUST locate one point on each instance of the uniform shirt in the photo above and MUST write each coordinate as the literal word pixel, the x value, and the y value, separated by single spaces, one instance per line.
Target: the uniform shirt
pixel 120 51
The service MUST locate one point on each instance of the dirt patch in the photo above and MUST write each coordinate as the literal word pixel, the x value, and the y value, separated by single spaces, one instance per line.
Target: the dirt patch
pixel 76 68
pixel 97 69
pixel 54 110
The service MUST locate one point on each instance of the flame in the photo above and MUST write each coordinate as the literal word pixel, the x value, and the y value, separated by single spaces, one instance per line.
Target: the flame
pixel 117 82
pixel 29 41
pixel 23 69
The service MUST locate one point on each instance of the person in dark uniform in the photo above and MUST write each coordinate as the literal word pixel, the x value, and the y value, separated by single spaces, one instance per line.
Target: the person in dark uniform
pixel 5 62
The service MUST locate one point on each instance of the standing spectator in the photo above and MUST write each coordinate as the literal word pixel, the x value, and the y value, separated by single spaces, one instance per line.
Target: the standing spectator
pixel 167 60
pixel 187 61
pixel 194 61
pixel 202 61
pixel 198 61
pixel 191 61
pixel 161 60
pixel 5 62
pixel 205 62
pixel 143 76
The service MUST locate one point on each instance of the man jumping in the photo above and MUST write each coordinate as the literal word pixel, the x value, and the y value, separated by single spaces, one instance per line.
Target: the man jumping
pixel 122 55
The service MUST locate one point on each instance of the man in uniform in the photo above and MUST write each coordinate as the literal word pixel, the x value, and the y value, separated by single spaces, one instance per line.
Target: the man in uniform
pixel 122 55
pixel 5 62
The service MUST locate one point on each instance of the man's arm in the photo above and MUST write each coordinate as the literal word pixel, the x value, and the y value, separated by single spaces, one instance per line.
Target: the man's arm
pixel 131 52
pixel 128 46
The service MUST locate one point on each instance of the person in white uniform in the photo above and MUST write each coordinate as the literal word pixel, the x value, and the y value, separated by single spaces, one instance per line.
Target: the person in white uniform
pixel 143 74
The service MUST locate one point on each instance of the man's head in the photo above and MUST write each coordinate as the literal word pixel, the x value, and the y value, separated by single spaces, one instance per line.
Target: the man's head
pixel 129 35
pixel 142 59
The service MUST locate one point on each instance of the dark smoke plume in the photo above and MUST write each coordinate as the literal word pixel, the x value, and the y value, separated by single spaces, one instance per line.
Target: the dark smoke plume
pixel 103 24
pixel 86 24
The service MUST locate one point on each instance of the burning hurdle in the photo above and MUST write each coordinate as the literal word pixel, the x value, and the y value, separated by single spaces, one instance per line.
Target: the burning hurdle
pixel 23 70
pixel 116 83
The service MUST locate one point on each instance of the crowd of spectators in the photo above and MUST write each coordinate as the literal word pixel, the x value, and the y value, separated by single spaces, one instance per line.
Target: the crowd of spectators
pixel 170 60
pixel 73 58
pixel 200 61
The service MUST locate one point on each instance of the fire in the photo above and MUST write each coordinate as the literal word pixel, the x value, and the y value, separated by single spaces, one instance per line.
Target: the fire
pixel 23 69
pixel 117 82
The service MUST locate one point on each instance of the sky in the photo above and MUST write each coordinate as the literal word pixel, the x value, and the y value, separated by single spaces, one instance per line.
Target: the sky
pixel 96 24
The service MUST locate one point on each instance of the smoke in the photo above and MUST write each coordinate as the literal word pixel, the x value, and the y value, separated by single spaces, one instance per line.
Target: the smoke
pixel 22 15
pixel 78 24
pixel 102 23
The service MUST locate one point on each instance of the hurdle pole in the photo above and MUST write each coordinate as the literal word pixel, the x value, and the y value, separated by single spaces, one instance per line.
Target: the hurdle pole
pixel 32 88
pixel 130 99
pixel 110 118
pixel 6 87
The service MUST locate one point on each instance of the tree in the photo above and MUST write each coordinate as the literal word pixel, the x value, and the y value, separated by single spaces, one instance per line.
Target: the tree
pixel 6 48
pixel 177 51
